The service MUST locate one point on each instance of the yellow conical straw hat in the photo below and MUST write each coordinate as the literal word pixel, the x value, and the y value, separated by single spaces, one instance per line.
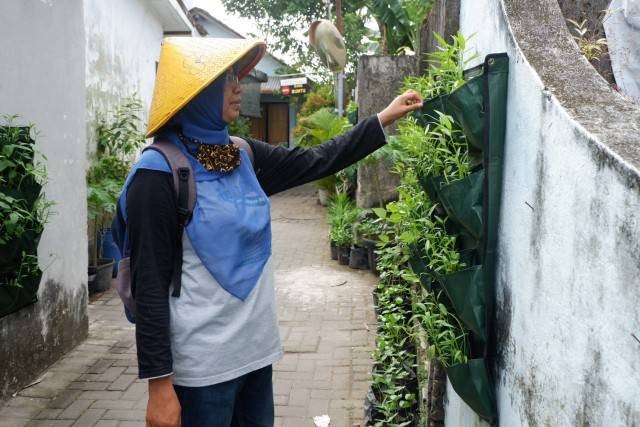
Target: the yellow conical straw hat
pixel 188 65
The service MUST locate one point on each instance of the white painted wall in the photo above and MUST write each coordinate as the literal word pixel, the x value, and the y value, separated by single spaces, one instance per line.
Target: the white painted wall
pixel 42 80
pixel 569 267
pixel 123 40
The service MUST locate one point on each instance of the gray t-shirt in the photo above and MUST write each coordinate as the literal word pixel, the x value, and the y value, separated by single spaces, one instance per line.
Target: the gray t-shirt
pixel 216 337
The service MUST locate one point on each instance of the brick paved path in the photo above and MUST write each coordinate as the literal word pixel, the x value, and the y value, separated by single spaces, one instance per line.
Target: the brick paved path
pixel 326 321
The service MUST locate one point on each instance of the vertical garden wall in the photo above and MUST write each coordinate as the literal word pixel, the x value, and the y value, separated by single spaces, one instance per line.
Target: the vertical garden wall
pixel 44 84
pixel 568 263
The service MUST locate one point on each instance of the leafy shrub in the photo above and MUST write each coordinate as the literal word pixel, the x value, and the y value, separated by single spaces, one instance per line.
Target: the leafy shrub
pixel 24 210
pixel 240 127
pixel 319 98
pixel 318 128
pixel 342 214
pixel 119 138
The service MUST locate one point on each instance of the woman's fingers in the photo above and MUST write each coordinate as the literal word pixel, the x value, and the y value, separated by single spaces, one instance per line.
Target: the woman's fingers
pixel 412 98
pixel 401 105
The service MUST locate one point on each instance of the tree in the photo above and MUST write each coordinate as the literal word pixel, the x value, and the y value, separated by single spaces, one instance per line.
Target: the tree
pixel 285 23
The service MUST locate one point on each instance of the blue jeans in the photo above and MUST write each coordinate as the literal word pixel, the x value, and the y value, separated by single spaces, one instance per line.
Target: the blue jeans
pixel 246 401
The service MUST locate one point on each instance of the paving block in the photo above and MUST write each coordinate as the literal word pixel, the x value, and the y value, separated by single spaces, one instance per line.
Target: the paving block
pixel 89 418
pixel 76 409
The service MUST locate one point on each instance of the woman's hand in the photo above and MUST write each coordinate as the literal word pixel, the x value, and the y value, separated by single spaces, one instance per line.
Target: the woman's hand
pixel 403 104
pixel 163 408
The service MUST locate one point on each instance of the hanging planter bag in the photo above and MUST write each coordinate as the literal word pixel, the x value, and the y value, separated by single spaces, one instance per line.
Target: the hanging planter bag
pixel 13 298
pixel 465 105
pixel 11 253
pixel 420 268
pixel 462 200
pixel 471 382
pixel 466 291
pixel 431 185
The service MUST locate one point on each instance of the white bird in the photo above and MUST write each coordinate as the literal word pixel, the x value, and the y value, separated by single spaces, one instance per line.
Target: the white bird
pixel 328 42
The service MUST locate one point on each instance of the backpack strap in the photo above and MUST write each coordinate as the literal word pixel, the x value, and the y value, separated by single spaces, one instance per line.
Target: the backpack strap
pixel 241 143
pixel 185 187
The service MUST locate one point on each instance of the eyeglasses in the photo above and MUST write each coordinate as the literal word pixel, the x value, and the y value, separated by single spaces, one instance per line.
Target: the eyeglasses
pixel 232 77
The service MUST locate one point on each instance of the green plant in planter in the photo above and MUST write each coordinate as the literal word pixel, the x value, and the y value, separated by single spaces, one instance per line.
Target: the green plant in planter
pixel 119 137
pixel 394 356
pixel 319 127
pixel 448 338
pixel 439 150
pixel 446 68
pixel 24 211
pixel 342 214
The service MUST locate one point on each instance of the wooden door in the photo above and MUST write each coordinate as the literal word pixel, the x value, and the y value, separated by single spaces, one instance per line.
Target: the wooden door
pixel 278 124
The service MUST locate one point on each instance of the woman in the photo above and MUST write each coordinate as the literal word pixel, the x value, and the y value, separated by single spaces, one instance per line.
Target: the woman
pixel 208 353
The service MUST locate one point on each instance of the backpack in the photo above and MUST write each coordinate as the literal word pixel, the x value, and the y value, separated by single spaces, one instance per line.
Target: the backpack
pixel 185 188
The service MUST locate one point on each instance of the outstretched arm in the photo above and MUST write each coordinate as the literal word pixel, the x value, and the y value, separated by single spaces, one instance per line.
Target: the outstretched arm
pixel 280 168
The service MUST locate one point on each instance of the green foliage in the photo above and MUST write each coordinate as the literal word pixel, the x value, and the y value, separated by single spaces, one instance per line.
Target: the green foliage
pixel 400 22
pixel 119 137
pixel 320 127
pixel 240 127
pixel 447 335
pixel 342 214
pixel 368 225
pixel 321 97
pixel 416 226
pixel 283 20
pixel 394 356
pixel 446 68
pixel 591 46
pixel 440 149
pixel 24 210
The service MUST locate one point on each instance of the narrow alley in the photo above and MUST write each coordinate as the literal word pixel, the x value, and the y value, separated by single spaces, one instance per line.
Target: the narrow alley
pixel 327 325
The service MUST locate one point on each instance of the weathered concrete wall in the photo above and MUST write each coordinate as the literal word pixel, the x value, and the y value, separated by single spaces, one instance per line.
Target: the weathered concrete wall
pixel 443 19
pixel 123 39
pixel 594 12
pixel 379 81
pixel 569 257
pixel 42 78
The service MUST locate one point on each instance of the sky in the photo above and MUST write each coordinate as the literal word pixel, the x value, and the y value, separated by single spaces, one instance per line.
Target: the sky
pixel 216 8
pixel 243 26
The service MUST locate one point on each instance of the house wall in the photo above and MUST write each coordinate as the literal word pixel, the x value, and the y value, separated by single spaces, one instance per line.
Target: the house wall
pixel 42 78
pixel 569 259
pixel 123 39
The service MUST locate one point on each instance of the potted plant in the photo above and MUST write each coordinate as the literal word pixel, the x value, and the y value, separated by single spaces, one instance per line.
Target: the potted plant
pixel 119 138
pixel 342 214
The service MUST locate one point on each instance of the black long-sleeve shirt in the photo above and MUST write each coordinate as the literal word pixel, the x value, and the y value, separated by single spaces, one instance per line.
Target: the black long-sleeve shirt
pixel 153 225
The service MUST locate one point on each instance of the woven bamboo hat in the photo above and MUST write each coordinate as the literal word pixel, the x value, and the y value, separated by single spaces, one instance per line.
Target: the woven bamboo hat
pixel 188 65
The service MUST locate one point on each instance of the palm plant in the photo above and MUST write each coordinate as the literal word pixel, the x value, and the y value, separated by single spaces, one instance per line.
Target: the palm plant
pixel 319 127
